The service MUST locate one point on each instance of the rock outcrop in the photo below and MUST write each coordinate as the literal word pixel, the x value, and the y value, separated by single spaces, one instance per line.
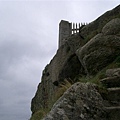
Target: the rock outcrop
pixel 102 49
pixel 113 72
pixel 96 46
pixel 65 64
pixel 80 102
pixel 112 27
pixel 97 25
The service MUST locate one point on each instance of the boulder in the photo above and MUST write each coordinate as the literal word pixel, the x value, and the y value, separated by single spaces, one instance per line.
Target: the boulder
pixel 113 72
pixel 112 27
pixel 80 102
pixel 100 51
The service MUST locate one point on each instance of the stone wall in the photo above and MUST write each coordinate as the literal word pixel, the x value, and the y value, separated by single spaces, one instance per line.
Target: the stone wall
pixel 64 31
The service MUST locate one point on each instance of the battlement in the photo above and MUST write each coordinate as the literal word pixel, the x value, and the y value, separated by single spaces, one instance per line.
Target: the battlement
pixel 66 29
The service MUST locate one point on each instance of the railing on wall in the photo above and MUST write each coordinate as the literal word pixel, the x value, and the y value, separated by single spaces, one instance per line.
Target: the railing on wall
pixel 66 29
pixel 76 27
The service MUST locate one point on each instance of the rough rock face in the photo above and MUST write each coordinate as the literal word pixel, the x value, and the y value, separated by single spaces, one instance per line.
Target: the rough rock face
pixel 112 78
pixel 65 64
pixel 112 27
pixel 102 49
pixel 96 26
pixel 87 52
pixel 113 72
pixel 79 102
pixel 65 55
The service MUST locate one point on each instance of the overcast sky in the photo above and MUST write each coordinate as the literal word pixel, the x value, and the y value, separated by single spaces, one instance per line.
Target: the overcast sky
pixel 29 40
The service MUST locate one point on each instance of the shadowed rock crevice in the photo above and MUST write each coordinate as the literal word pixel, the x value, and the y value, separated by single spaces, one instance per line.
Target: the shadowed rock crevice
pixel 71 69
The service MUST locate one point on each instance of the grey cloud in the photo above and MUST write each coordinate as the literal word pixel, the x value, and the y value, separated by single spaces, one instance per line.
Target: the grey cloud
pixel 28 41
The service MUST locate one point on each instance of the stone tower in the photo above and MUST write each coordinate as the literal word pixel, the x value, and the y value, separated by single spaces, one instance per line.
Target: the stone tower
pixel 65 30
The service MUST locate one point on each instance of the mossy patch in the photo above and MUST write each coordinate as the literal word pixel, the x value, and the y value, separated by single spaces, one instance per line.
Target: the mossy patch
pixel 39 114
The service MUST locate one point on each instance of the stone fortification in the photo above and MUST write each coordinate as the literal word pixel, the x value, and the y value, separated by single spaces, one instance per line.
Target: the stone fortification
pixel 66 29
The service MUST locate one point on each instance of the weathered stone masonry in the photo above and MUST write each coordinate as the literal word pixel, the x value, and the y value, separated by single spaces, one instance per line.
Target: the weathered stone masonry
pixel 66 29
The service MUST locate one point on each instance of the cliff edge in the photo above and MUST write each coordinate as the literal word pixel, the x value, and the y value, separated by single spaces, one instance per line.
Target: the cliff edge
pixel 86 57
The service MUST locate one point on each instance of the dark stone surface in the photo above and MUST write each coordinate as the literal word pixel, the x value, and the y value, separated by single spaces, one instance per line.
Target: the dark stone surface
pixel 80 102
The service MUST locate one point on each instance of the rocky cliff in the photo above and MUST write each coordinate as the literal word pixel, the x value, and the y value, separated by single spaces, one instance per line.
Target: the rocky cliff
pixel 85 55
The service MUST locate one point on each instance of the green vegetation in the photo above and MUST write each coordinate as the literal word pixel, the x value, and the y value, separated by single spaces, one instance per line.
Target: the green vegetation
pixel 68 83
pixel 42 112
pixel 101 74
pixel 90 36
pixel 63 87
pixel 116 63
pixel 39 114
